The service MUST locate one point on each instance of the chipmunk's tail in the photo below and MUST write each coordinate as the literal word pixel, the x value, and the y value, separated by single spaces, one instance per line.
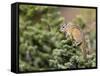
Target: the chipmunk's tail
pixel 84 51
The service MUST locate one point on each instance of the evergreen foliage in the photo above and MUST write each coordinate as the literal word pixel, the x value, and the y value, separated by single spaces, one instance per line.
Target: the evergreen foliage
pixel 42 46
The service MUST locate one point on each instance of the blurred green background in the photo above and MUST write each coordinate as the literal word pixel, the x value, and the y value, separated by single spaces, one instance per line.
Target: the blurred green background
pixel 42 45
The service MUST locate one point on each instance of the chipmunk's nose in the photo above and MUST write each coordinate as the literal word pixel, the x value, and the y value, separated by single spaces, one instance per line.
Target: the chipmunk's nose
pixel 60 28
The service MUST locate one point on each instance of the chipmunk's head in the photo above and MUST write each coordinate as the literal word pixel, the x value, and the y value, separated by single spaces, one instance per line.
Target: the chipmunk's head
pixel 64 27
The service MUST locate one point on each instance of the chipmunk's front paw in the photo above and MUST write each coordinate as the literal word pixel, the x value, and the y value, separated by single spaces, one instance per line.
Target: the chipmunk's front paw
pixel 76 43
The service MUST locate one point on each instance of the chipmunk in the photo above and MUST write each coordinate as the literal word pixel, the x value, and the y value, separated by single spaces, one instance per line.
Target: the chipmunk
pixel 76 35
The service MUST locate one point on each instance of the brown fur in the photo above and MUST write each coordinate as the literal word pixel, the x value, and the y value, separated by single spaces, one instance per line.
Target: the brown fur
pixel 77 35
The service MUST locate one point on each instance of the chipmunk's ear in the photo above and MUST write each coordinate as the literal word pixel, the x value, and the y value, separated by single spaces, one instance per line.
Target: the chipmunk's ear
pixel 69 24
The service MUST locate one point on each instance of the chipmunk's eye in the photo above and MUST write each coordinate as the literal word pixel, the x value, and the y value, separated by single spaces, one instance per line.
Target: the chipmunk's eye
pixel 63 27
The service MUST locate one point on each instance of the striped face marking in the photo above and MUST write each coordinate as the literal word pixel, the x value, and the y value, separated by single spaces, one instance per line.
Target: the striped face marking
pixel 63 28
